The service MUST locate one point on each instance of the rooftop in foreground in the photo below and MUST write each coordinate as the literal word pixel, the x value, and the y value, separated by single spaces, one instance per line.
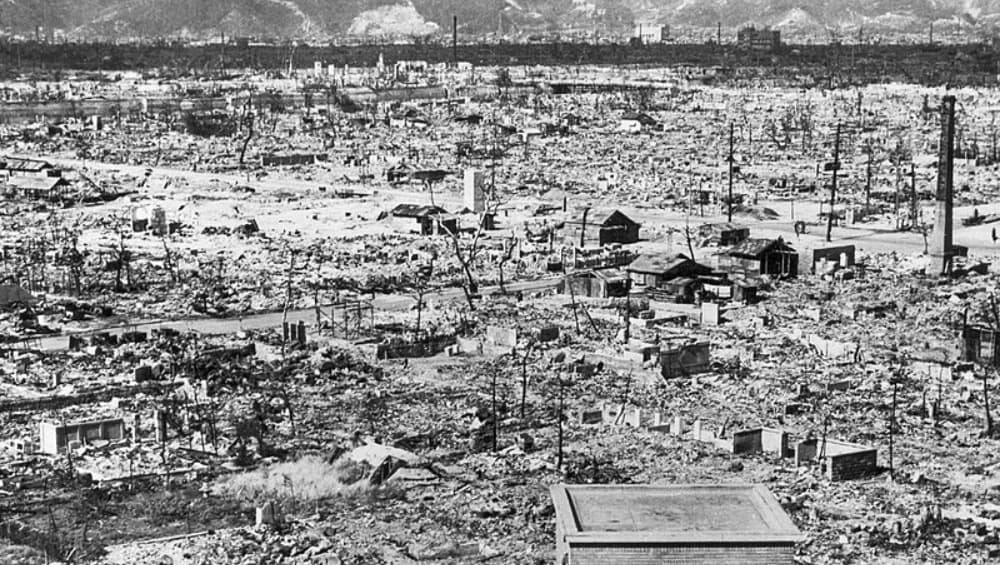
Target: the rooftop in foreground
pixel 672 514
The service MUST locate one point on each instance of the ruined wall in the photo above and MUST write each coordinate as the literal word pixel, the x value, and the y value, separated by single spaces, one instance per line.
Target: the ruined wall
pixel 855 465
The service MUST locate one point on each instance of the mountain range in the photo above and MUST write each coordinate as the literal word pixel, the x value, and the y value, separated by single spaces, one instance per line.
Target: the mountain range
pixel 310 19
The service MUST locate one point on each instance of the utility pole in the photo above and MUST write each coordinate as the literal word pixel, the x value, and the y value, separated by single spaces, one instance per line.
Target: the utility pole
pixel 892 428
pixel 913 202
pixel 833 185
pixel 868 179
pixel 454 41
pixel 729 209
pixel 899 177
pixel 559 417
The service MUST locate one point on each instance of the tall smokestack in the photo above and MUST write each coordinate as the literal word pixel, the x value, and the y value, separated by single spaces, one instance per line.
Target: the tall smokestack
pixel 941 248
pixel 454 41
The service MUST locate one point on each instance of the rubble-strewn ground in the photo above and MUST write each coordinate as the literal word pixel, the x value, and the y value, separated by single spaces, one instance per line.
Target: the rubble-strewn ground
pixel 373 460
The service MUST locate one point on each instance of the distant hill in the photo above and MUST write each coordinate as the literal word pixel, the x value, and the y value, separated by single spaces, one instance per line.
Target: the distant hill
pixel 402 18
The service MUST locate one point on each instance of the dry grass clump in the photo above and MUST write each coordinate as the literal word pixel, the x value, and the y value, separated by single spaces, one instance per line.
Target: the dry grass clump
pixel 20 555
pixel 308 479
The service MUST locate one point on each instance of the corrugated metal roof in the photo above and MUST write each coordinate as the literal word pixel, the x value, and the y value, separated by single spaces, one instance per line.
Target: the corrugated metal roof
pixel 30 165
pixel 36 183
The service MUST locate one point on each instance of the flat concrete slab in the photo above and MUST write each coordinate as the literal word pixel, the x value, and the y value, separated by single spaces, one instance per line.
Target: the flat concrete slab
pixel 676 510
pixel 672 514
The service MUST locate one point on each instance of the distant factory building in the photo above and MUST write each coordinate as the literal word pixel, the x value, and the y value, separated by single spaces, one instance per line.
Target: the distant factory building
pixel 753 39
pixel 651 33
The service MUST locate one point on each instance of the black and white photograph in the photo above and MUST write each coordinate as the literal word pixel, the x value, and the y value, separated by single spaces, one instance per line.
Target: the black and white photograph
pixel 505 282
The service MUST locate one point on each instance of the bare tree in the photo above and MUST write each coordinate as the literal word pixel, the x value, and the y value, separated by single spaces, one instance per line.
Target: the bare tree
pixel 524 377
pixel 424 276
pixel 508 254
pixel 466 254
pixel 247 122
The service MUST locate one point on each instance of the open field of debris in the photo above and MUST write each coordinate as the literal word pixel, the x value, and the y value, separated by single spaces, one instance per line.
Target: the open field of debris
pixel 290 319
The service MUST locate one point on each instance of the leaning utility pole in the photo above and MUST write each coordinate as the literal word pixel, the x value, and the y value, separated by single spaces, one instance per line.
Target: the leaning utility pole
pixel 833 185
pixel 729 209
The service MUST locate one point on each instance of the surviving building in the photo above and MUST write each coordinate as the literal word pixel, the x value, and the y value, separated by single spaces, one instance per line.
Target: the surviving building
pixel 771 257
pixel 601 227
pixel 55 438
pixel 753 39
pixel 655 270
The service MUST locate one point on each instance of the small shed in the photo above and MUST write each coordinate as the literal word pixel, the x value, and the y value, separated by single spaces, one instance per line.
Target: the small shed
pixel 16 166
pixel 683 289
pixel 635 122
pixel 602 227
pixel 599 283
pixel 39 188
pixel 773 257
pixel 654 270
pixel 725 234
pixel 432 220
pixel 399 174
